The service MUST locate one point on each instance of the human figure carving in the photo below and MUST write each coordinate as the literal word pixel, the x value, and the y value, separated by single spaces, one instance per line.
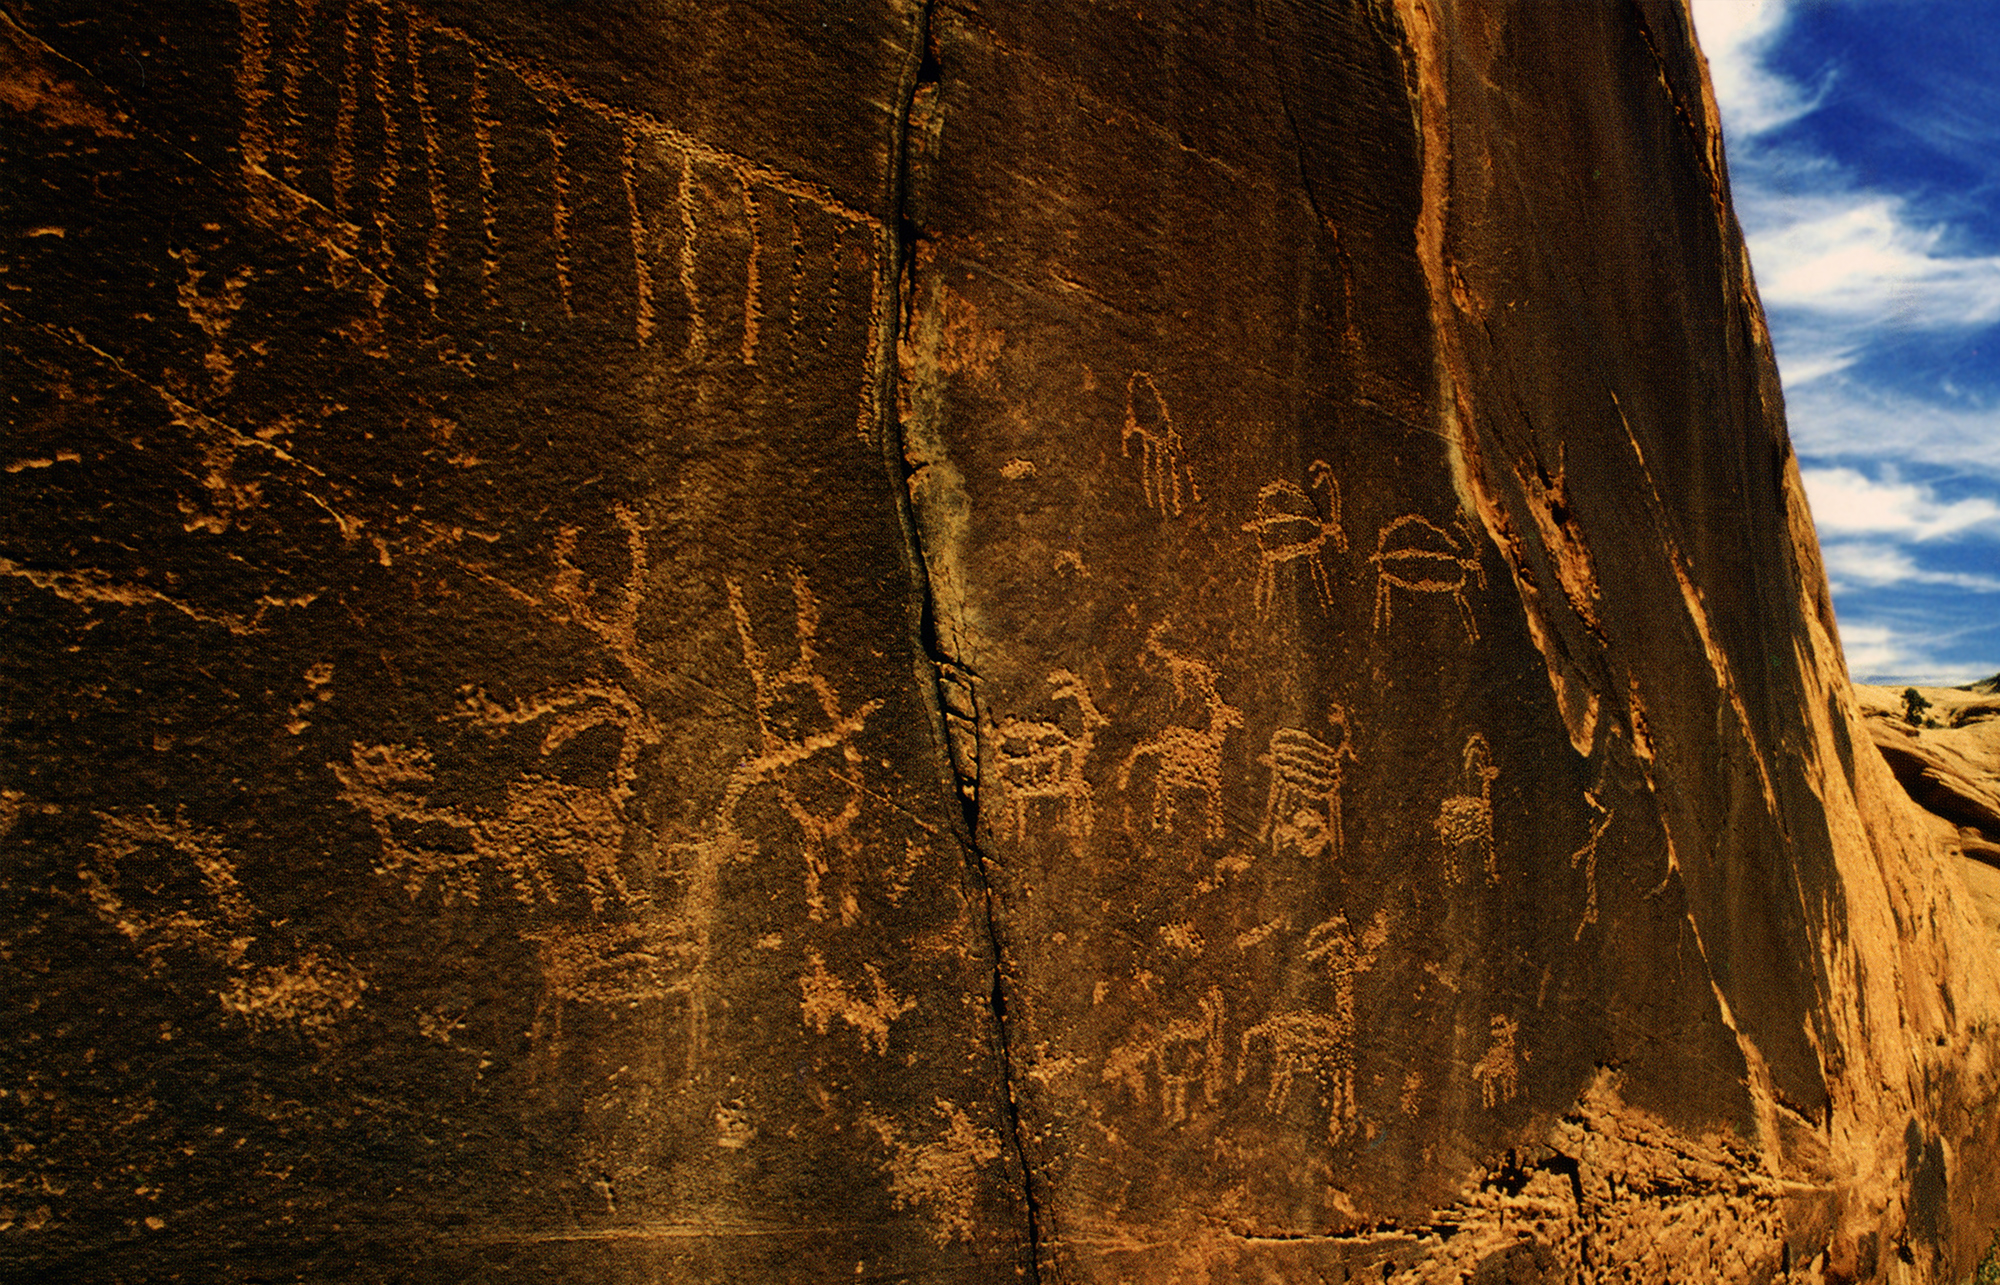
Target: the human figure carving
pixel 1044 760
pixel 1162 459
pixel 780 749
pixel 1303 810
pixel 1465 821
pixel 1185 758
pixel 1417 555
pixel 1289 526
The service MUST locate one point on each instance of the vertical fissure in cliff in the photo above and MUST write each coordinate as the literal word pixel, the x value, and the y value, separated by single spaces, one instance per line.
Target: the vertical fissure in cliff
pixel 945 678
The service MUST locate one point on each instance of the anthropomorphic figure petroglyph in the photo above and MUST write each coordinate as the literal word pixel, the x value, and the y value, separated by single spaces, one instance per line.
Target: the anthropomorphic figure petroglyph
pixel 1417 555
pixel 1044 760
pixel 780 749
pixel 1185 758
pixel 1162 455
pixel 1303 810
pixel 1465 821
pixel 1289 527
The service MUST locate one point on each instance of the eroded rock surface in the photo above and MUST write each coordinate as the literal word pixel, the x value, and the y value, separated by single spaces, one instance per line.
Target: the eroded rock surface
pixel 812 642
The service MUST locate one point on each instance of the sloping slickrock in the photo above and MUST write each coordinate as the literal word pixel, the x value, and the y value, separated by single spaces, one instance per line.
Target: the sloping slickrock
pixel 813 642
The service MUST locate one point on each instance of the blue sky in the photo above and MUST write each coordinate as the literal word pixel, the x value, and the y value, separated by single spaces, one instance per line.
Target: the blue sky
pixel 1864 158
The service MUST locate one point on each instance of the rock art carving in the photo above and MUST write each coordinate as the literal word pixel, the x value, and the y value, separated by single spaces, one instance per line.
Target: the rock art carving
pixel 780 749
pixel 1188 1051
pixel 1417 555
pixel 1044 760
pixel 1162 455
pixel 550 831
pixel 171 890
pixel 1185 758
pixel 1499 1069
pixel 1587 855
pixel 661 171
pixel 1303 1042
pixel 1465 821
pixel 1289 527
pixel 1303 810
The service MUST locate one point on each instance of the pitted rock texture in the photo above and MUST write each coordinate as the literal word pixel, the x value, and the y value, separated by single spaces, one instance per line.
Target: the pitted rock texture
pixel 941 641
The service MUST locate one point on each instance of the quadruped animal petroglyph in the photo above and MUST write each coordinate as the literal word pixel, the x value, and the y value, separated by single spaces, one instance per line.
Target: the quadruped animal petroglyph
pixel 1290 527
pixel 1416 555
pixel 1184 758
pixel 1303 810
pixel 1038 759
pixel 1465 821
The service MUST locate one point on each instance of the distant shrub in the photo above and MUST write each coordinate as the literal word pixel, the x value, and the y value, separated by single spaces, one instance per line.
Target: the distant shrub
pixel 1988 1271
pixel 1914 706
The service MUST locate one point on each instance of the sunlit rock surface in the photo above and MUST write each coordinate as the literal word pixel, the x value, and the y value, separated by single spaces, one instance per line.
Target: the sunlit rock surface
pixel 806 643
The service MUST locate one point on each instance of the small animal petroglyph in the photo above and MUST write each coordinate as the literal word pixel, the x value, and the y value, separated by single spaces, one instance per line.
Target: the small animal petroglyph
pixel 1044 760
pixel 1185 758
pixel 1587 855
pixel 1190 1051
pixel 1465 821
pixel 1303 1044
pixel 1162 455
pixel 1303 811
pixel 1417 555
pixel 1289 526
pixel 1499 1070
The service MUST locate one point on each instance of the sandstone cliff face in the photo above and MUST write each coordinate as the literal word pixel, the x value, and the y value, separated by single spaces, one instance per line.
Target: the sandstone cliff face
pixel 788 643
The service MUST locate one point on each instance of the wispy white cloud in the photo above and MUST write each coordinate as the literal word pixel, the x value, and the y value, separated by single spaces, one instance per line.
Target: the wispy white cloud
pixel 1847 502
pixel 1885 653
pixel 1847 418
pixel 1854 564
pixel 1734 35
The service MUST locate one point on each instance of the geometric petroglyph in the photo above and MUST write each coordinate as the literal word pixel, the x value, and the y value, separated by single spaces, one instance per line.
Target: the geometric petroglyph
pixel 1303 810
pixel 399 147
pixel 1465 821
pixel 1185 758
pixel 1499 1069
pixel 1189 1051
pixel 1162 454
pixel 1288 526
pixel 1037 759
pixel 1419 556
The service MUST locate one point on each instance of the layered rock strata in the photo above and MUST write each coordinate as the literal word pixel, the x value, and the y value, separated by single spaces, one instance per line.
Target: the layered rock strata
pixel 944 641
